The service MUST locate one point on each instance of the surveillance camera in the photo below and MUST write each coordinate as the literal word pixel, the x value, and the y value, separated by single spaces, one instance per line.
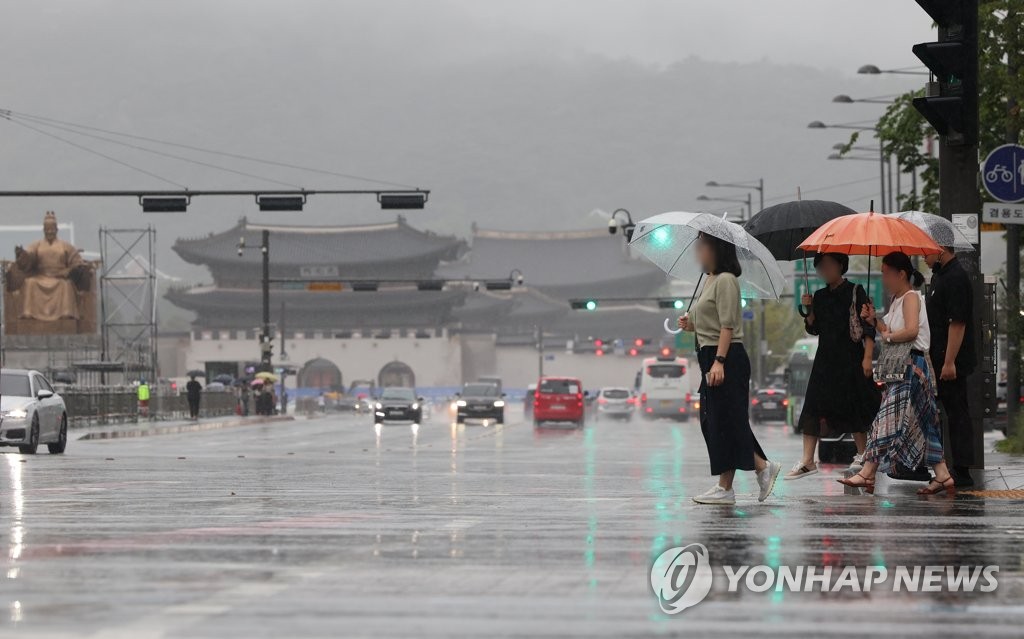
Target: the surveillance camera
pixel 239 251
pixel 519 280
pixel 612 226
pixel 476 286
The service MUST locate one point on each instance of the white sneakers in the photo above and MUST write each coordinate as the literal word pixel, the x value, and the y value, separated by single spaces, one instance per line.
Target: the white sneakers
pixel 766 479
pixel 801 470
pixel 857 464
pixel 719 496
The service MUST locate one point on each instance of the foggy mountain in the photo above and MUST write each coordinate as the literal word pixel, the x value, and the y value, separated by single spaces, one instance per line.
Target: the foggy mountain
pixel 509 130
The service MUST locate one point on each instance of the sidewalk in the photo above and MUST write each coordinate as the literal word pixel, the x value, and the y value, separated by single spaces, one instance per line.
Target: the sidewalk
pixel 146 429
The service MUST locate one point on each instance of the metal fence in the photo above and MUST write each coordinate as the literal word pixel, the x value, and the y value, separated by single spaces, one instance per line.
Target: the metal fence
pixel 111 405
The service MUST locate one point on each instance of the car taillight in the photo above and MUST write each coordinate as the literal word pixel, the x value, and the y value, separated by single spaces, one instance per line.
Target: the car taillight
pixel 771 392
pixel 650 410
pixel 785 402
pixel 643 398
pixel 682 409
pixel 689 397
pixel 696 405
pixel 602 400
pixel 754 402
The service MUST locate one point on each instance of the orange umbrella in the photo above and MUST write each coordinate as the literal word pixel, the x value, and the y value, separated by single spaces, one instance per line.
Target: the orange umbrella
pixel 870 234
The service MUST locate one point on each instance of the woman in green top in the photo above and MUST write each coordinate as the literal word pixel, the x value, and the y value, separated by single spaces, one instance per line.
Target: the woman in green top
pixel 725 386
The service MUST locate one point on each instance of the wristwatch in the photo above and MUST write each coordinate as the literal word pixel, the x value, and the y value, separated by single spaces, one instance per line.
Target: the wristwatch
pixel 720 359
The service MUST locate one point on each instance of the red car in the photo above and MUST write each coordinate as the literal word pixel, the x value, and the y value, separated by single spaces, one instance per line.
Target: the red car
pixel 558 399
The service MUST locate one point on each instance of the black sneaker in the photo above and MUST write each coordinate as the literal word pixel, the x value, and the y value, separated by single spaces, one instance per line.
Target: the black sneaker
pixel 918 474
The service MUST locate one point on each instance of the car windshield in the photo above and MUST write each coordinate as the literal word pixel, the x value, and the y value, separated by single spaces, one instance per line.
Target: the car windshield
pixel 665 370
pixel 615 393
pixel 559 387
pixel 15 385
pixel 480 390
pixel 398 393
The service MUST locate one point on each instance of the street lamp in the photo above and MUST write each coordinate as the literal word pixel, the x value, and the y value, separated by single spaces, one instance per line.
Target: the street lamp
pixel 856 126
pixel 752 186
pixel 870 69
pixel 748 201
pixel 627 226
pixel 266 347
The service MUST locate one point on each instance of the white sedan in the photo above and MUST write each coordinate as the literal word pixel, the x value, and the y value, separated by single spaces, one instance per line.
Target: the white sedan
pixel 31 413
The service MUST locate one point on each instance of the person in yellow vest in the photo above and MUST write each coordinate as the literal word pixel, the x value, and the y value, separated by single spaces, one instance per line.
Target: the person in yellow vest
pixel 143 399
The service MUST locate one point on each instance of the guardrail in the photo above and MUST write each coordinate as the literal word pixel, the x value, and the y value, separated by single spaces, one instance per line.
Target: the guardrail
pixel 87 406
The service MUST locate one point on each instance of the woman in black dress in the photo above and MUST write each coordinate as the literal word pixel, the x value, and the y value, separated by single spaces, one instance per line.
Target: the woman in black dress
pixel 841 395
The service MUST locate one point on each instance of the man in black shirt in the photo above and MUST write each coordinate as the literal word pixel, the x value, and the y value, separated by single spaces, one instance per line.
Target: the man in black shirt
pixel 950 307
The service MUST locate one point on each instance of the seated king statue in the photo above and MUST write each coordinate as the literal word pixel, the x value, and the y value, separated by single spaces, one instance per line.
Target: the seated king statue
pixel 48 274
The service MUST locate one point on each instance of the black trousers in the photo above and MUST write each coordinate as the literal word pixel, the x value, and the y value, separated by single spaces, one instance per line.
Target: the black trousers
pixel 953 397
pixel 193 406
pixel 724 416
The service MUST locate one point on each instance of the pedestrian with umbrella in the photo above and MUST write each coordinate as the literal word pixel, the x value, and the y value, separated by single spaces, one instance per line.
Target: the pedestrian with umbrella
pixel 193 392
pixel 905 432
pixel 950 306
pixel 841 397
pixel 720 251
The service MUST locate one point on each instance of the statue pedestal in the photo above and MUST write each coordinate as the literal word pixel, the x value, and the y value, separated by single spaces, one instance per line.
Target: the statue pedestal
pixel 42 352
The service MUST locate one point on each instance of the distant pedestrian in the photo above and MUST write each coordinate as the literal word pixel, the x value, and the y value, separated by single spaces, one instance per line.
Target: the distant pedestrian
pixel 841 395
pixel 906 431
pixel 193 391
pixel 321 402
pixel 725 385
pixel 143 394
pixel 950 307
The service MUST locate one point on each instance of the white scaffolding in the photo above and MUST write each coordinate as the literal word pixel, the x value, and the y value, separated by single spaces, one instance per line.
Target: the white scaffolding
pixel 128 298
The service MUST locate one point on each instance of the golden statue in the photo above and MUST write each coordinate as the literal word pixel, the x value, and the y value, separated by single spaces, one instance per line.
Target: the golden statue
pixel 49 287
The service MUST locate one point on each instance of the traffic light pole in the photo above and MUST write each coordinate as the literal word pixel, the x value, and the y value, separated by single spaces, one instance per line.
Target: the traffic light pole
pixel 1013 323
pixel 265 344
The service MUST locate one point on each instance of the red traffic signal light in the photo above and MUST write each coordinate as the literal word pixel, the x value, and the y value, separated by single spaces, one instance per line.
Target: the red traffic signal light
pixel 598 343
pixel 666 351
pixel 638 342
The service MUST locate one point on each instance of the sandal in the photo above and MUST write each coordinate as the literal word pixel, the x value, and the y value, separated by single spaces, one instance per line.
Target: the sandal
pixel 934 487
pixel 867 483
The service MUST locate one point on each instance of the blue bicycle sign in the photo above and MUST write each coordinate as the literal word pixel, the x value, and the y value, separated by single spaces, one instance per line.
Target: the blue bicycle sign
pixel 1002 173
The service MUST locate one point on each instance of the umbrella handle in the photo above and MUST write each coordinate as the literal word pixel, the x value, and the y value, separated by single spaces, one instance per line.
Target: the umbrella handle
pixel 670 330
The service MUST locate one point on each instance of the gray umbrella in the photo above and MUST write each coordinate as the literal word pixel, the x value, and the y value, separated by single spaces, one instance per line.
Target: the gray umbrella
pixel 938 228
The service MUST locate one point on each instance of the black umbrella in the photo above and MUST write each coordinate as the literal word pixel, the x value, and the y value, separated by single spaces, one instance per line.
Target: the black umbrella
pixel 196 373
pixel 785 226
pixel 224 379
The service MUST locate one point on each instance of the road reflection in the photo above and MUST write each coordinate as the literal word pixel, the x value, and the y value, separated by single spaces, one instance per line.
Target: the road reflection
pixel 17 534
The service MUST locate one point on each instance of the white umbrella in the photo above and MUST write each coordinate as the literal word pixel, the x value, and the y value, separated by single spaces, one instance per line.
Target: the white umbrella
pixel 938 228
pixel 667 240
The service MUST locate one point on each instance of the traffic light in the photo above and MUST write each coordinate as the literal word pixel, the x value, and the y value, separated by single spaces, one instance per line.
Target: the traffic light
pixel 672 303
pixel 583 305
pixel 950 102
pixel 598 343
pixel 633 352
pixel 639 342
pixel 666 352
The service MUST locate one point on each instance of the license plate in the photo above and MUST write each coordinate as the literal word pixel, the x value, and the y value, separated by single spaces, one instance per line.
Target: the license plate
pixel 666 402
pixel 768 405
pixel 557 407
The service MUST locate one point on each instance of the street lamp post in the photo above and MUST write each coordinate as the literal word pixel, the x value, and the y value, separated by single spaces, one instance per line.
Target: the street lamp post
pixel 266 347
pixel 818 124
pixel 748 201
pixel 759 187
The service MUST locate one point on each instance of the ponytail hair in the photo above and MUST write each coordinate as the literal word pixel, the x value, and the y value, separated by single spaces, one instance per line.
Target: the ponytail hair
pixel 897 260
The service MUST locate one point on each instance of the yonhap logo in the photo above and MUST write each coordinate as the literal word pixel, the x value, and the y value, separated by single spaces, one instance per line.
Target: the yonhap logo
pixel 681 577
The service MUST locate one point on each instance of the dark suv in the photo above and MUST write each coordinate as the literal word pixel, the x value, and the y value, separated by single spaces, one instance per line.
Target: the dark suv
pixel 480 400
pixel 769 404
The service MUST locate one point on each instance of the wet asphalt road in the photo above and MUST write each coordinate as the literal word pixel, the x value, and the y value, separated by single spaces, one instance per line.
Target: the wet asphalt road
pixel 323 528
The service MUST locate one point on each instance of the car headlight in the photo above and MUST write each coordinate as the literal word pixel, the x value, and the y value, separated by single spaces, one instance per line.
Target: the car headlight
pixel 378 406
pixel 415 405
pixel 498 403
pixel 460 403
pixel 17 413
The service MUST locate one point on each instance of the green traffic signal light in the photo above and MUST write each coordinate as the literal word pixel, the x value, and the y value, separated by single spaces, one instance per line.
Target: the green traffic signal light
pixel 591 305
pixel 678 304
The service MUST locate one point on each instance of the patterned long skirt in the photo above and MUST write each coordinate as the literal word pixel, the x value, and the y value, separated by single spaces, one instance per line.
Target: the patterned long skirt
pixel 907 430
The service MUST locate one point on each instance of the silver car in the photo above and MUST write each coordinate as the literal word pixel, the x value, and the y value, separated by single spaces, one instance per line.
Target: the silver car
pixel 31 412
pixel 617 403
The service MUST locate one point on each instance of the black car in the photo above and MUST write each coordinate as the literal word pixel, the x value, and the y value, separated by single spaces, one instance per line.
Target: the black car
pixel 397 404
pixel 769 404
pixel 480 401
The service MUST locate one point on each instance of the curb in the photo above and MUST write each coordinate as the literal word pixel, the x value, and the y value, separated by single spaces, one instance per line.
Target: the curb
pixel 183 428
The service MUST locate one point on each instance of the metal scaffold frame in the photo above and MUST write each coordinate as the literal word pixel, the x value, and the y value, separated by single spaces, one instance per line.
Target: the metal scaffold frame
pixel 128 298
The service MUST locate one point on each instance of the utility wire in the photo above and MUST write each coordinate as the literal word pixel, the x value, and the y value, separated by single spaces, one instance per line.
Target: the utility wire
pixel 160 153
pixel 94 152
pixel 237 156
